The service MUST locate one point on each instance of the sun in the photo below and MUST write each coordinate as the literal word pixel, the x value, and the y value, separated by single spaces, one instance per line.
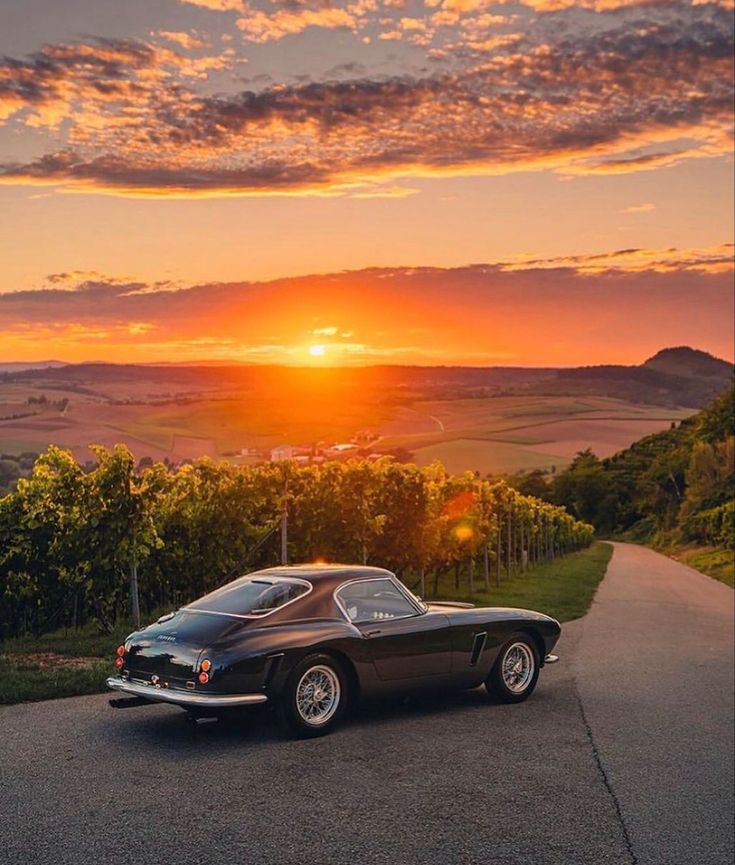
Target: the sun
pixel 317 350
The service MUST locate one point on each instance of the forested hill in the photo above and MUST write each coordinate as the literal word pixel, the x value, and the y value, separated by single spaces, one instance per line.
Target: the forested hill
pixel 673 376
pixel 675 486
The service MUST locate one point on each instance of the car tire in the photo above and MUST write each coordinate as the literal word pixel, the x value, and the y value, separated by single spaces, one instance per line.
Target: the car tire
pixel 514 674
pixel 314 697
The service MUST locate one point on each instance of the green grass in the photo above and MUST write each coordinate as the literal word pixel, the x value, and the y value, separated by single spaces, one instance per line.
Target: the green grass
pixel 22 682
pixel 563 588
pixel 716 563
pixel 24 679
pixel 85 642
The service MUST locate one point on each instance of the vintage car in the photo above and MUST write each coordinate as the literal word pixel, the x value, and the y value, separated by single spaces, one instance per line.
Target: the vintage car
pixel 312 639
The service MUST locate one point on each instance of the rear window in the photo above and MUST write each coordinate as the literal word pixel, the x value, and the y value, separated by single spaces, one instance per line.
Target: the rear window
pixel 252 596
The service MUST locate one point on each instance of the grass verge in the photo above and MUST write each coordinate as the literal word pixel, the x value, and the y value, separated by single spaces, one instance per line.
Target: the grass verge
pixel 65 663
pixel 71 662
pixel 26 680
pixel 563 588
pixel 713 561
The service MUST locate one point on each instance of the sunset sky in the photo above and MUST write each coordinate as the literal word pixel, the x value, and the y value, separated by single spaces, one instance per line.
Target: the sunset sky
pixel 399 181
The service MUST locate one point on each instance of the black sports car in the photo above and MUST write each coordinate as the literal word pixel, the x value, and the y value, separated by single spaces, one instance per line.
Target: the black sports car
pixel 312 638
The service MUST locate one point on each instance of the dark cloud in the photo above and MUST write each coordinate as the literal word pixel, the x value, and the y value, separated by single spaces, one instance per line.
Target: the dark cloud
pixel 104 64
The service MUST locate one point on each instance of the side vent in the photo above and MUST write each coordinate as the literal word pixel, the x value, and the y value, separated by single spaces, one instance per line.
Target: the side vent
pixel 477 646
pixel 274 662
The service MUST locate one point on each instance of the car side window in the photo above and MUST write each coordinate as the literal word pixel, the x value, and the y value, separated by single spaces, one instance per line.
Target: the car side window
pixel 373 601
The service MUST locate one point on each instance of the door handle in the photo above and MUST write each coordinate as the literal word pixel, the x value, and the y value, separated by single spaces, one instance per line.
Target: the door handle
pixel 373 632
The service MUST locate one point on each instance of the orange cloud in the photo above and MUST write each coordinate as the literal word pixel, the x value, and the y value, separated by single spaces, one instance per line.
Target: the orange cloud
pixel 217 5
pixel 611 306
pixel 601 103
pixel 639 208
pixel 259 26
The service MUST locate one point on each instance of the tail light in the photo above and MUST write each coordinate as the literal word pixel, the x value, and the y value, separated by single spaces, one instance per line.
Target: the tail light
pixel 206 668
pixel 120 657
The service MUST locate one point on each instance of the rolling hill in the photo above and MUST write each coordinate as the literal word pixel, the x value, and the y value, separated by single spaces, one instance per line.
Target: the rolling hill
pixel 490 420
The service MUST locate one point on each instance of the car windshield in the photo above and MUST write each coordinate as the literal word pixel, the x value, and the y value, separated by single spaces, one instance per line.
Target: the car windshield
pixel 251 596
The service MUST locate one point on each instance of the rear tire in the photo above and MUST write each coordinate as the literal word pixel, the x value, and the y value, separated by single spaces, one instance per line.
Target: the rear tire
pixel 514 675
pixel 314 696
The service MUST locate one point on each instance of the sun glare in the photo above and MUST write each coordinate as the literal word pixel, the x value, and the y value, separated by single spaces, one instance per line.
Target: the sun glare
pixel 317 350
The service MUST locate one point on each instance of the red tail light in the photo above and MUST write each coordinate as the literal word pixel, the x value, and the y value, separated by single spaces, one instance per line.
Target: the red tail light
pixel 120 657
pixel 203 678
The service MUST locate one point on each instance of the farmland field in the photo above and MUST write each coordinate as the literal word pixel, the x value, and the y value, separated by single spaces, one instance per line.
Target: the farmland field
pixel 156 419
pixel 506 434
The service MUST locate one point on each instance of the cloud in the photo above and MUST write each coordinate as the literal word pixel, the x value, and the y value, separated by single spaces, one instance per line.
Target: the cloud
pixel 639 208
pixel 259 26
pixel 715 259
pixel 217 5
pixel 630 90
pixel 184 40
pixel 73 277
pixel 608 305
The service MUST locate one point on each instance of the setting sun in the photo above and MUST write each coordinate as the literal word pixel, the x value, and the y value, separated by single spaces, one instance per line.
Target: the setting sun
pixel 317 350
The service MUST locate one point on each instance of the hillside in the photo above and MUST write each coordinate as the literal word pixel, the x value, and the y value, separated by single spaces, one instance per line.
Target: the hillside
pixel 674 488
pixel 674 376
pixel 689 363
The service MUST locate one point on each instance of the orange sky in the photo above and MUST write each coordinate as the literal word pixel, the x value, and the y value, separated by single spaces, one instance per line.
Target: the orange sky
pixel 167 180
pixel 616 308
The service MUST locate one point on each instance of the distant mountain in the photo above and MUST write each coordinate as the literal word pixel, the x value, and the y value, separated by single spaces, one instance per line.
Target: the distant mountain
pixel 690 363
pixel 20 366
pixel 673 377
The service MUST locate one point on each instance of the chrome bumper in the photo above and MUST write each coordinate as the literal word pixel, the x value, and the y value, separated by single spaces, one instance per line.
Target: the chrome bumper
pixel 551 659
pixel 182 698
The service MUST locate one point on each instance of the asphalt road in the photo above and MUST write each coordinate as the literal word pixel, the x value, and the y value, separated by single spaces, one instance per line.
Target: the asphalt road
pixel 623 755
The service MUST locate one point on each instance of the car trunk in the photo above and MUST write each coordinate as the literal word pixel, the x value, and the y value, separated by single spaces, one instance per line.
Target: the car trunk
pixel 171 649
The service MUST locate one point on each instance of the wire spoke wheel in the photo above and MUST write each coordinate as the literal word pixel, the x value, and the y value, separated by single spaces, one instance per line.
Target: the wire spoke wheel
pixel 317 695
pixel 518 667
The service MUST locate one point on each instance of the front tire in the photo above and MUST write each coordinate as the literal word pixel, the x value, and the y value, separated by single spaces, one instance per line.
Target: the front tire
pixel 314 696
pixel 514 675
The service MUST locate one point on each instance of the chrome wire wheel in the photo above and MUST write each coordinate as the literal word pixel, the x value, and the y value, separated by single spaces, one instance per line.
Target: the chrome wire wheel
pixel 317 695
pixel 518 667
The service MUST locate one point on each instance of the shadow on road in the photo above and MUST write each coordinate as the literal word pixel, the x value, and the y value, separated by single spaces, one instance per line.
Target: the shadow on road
pixel 167 729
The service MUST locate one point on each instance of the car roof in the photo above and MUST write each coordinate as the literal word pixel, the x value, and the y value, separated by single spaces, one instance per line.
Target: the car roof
pixel 319 573
pixel 325 579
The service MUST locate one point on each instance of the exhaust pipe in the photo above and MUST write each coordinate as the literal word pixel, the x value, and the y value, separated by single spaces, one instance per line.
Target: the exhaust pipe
pixel 129 702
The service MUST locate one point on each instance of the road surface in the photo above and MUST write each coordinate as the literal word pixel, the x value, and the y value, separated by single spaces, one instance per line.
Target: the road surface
pixel 623 755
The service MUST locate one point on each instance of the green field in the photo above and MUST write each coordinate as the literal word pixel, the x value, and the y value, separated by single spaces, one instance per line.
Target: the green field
pixel 508 434
pixel 488 456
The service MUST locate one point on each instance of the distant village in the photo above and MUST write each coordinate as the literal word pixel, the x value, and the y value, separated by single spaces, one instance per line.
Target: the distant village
pixel 358 447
